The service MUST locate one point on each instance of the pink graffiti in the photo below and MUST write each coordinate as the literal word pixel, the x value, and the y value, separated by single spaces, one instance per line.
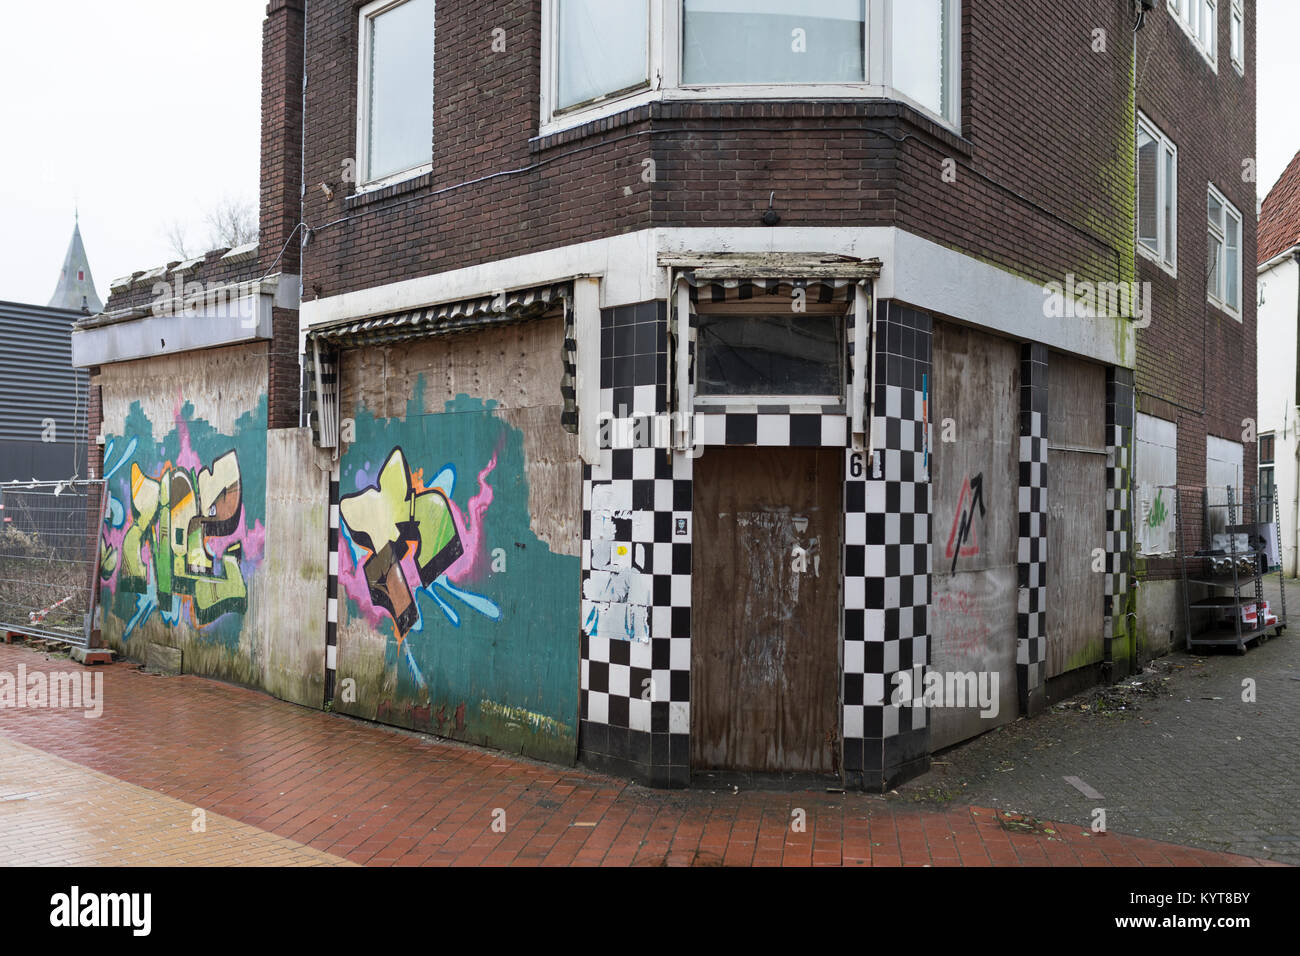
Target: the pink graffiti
pixel 355 587
pixel 472 565
pixel 187 458
pixel 251 540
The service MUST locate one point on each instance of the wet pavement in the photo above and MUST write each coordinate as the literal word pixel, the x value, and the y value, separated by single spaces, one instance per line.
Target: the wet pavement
pixel 277 783
pixel 1176 753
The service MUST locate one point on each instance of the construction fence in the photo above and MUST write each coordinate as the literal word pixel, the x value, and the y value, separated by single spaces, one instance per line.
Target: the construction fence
pixel 49 558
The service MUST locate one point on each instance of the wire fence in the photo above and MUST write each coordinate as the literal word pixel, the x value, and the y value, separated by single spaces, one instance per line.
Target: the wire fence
pixel 49 558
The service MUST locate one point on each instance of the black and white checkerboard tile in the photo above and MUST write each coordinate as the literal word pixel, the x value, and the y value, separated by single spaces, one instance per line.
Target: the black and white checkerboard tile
pixel 887 558
pixel 1031 646
pixel 1119 437
pixel 332 590
pixel 636 655
pixel 636 561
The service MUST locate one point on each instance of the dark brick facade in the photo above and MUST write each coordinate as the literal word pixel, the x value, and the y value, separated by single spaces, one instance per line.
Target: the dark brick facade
pixel 1043 170
pixel 1195 363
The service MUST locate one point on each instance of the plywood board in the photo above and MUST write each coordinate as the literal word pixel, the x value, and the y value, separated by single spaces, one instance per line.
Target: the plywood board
pixel 1076 513
pixel 974 477
pixel 766 598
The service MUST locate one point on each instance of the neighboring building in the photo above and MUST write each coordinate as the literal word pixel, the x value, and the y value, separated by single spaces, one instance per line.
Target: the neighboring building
pixel 76 288
pixel 689 379
pixel 43 410
pixel 1279 321
pixel 1196 362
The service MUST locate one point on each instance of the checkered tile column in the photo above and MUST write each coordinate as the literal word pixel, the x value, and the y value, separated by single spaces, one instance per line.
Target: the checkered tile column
pixel 1031 646
pixel 887 559
pixel 634 698
pixel 1119 537
pixel 332 590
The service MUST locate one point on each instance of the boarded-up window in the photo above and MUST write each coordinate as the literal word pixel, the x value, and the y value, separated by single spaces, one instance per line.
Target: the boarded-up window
pixel 1224 469
pixel 1155 480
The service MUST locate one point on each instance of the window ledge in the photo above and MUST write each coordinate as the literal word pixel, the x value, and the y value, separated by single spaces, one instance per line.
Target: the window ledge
pixel 371 195
pixel 1154 259
pixel 1227 310
pixel 738 111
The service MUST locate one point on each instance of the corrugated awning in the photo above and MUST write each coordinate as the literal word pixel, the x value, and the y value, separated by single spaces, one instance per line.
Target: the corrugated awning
pixel 465 315
pixel 321 361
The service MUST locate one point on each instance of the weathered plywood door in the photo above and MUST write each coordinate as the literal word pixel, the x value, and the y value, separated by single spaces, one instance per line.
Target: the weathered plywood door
pixel 1076 512
pixel 974 475
pixel 765 667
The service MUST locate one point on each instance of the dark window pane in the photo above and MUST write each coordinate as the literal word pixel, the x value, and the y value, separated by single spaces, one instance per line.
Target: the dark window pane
pixel 769 355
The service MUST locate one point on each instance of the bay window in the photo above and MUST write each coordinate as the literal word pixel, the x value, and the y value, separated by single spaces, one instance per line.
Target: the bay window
pixel 766 41
pixel 1224 268
pixel 602 49
pixel 919 52
pixel 602 57
pixel 395 95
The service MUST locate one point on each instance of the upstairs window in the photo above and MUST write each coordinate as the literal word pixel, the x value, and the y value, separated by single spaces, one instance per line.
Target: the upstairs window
pixel 603 50
pixel 1157 197
pixel 395 96
pixel 921 55
pixel 1200 20
pixel 1237 35
pixel 602 57
pixel 1224 269
pixel 771 41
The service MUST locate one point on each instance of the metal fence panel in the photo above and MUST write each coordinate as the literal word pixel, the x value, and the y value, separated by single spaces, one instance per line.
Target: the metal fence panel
pixel 49 558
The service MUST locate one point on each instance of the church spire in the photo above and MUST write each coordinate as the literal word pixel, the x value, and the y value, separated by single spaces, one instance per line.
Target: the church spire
pixel 76 285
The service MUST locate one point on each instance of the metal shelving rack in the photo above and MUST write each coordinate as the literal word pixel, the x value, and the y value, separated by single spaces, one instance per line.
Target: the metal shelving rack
pixel 1197 570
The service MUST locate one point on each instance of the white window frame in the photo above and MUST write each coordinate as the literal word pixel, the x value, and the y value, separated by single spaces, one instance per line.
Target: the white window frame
pixel 1230 212
pixel 1189 15
pixel 665 82
pixel 743 308
pixel 1166 255
pixel 1237 14
pixel 365 16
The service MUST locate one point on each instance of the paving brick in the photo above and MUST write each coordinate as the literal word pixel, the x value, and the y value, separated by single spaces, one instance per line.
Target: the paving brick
pixel 342 790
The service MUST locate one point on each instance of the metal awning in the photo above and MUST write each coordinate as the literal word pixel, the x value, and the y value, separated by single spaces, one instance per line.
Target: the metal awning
pixel 321 361
pixel 464 315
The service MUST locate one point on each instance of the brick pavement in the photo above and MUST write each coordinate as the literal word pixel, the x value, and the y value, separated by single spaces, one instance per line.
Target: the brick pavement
pixel 56 813
pixel 1195 765
pixel 374 795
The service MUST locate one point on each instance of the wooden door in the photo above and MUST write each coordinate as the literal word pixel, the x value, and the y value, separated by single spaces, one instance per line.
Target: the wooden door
pixel 1076 513
pixel 765 669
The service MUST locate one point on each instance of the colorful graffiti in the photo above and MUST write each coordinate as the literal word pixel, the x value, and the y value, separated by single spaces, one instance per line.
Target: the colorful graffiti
pixel 407 537
pixel 962 540
pixel 178 540
pixel 454 616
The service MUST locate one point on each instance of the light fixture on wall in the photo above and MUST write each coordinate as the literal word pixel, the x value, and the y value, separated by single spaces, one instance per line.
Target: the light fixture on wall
pixel 771 217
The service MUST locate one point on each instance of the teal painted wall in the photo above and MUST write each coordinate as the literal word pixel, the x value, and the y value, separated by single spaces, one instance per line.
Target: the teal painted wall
pixel 454 616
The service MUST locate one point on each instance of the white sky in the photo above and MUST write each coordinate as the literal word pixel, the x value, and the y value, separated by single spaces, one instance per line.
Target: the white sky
pixel 147 111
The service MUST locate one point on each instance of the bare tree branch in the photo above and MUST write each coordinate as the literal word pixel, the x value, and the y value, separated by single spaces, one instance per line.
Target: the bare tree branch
pixel 174 233
pixel 231 223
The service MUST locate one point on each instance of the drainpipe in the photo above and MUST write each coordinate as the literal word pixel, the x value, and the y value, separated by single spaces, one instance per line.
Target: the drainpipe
pixel 1293 526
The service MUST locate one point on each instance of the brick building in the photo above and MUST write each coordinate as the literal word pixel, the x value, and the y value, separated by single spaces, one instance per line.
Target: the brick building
pixel 695 383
